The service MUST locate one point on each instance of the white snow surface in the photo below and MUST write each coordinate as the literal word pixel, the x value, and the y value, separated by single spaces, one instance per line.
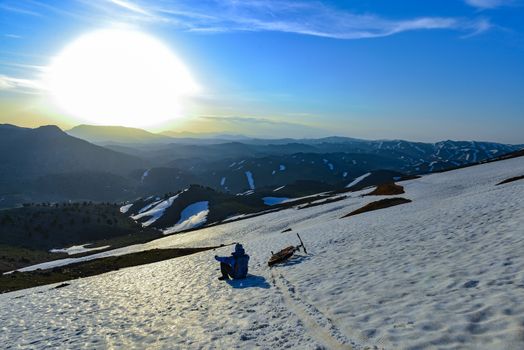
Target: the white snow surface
pixel 250 180
pixel 77 249
pixel 149 206
pixel 144 175
pixel 274 200
pixel 443 272
pixel 279 188
pixel 357 180
pixel 156 211
pixel 192 216
pixel 125 208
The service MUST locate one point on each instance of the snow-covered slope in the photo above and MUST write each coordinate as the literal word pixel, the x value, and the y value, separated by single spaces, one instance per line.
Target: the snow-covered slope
pixel 445 271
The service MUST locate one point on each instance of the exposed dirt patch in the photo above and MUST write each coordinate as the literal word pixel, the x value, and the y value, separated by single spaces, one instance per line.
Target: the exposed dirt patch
pixel 381 204
pixel 22 280
pixel 387 189
pixel 511 180
pixel 326 201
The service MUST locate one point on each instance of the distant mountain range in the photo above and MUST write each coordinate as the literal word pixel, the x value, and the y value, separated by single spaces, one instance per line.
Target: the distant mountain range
pixel 47 164
pixel 116 135
pixel 119 135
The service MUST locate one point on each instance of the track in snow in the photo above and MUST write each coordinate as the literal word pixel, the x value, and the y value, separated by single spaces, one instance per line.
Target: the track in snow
pixel 320 327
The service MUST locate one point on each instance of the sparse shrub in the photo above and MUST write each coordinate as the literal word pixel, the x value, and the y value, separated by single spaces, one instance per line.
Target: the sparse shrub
pixel 7 219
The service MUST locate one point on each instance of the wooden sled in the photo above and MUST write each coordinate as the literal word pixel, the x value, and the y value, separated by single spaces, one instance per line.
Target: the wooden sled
pixel 286 253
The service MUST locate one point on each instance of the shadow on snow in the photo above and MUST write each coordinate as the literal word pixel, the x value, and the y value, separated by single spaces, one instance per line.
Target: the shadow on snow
pixel 251 281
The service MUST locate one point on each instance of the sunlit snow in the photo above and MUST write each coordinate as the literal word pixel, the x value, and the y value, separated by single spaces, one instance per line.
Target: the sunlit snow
pixel 192 216
pixel 78 249
pixel 357 180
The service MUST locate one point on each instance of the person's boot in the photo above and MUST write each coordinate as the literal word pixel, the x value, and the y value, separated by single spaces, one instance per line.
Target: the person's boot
pixel 223 278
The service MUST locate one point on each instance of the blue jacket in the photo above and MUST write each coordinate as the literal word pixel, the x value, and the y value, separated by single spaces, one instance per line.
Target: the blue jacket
pixel 238 261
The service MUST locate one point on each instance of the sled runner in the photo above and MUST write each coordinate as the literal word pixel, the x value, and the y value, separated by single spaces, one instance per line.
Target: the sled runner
pixel 286 253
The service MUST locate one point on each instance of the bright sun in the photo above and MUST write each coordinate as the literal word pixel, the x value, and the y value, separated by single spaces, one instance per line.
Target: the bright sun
pixel 117 77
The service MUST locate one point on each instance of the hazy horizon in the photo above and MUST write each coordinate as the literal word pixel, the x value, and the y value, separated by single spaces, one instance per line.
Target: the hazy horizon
pixel 225 133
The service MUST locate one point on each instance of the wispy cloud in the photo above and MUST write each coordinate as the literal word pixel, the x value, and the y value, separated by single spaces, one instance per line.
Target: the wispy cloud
pixel 478 27
pixel 299 17
pixel 314 18
pixel 130 6
pixel 488 4
pixel 18 9
pixel 12 36
pixel 19 85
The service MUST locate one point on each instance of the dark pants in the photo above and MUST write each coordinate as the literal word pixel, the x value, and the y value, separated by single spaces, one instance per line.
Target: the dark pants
pixel 226 270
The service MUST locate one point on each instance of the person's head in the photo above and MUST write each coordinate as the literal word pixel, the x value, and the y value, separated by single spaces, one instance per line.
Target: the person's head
pixel 239 250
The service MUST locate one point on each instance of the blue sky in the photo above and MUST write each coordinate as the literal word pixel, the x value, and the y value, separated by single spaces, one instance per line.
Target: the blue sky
pixel 418 70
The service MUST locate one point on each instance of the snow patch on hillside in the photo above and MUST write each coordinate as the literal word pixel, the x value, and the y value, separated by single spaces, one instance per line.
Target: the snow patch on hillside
pixel 192 216
pixel 156 212
pixel 150 205
pixel 124 209
pixel 357 180
pixel 144 175
pixel 78 249
pixel 250 180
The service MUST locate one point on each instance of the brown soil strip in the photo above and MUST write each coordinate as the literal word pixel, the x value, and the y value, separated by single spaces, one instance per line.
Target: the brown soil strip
pixel 511 180
pixel 387 189
pixel 22 280
pixel 381 204
pixel 327 201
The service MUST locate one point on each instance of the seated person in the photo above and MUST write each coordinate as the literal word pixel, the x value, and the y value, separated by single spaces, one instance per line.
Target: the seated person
pixel 234 266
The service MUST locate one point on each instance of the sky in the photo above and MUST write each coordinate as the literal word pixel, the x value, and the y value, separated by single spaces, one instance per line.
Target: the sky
pixel 378 69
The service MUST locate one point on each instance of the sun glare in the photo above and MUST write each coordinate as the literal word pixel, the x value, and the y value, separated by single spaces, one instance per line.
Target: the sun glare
pixel 117 77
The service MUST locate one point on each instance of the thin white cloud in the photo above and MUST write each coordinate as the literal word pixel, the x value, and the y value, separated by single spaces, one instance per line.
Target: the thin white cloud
pixel 314 18
pixel 12 36
pixel 300 17
pixel 8 83
pixel 478 27
pixel 488 4
pixel 309 18
pixel 130 6
pixel 18 9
